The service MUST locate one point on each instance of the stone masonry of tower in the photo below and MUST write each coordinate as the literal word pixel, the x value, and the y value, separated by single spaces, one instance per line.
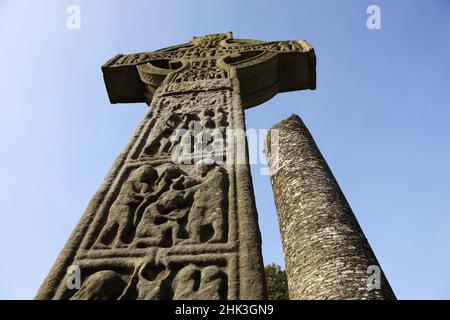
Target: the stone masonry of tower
pixel 327 255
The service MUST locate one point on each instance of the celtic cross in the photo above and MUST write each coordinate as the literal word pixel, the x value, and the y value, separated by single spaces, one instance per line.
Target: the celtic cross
pixel 162 230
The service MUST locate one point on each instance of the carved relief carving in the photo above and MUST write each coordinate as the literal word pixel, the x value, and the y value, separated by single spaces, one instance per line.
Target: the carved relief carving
pixel 168 207
pixel 121 217
pixel 151 280
pixel 192 282
pixel 212 46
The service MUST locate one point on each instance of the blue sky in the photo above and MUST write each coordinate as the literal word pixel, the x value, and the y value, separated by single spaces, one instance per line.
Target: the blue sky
pixel 380 115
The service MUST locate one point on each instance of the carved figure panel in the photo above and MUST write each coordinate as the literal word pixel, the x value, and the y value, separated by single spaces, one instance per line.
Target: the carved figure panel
pixel 198 127
pixel 151 280
pixel 166 206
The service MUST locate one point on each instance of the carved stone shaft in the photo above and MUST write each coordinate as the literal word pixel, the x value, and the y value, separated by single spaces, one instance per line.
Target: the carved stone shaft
pixel 327 255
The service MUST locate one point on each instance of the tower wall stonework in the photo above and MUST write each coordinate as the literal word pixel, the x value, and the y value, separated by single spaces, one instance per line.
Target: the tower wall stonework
pixel 327 255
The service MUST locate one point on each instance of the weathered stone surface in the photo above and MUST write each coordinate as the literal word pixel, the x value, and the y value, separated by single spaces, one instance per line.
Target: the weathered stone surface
pixel 326 252
pixel 159 229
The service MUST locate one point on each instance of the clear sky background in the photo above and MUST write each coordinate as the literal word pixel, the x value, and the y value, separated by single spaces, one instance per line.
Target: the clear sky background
pixel 380 115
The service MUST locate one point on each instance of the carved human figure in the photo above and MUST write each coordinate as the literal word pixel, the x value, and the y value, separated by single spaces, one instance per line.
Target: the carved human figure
pixel 102 285
pixel 206 217
pixel 195 283
pixel 161 185
pixel 207 120
pixel 147 281
pixel 159 140
pixel 214 71
pixel 120 222
pixel 163 215
pixel 176 130
pixel 169 132
pixel 164 140
pixel 187 136
pixel 183 151
pixel 221 118
pixel 150 285
pixel 204 136
pixel 187 196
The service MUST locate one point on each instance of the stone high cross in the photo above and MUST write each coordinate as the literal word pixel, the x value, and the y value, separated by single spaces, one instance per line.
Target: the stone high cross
pixel 162 230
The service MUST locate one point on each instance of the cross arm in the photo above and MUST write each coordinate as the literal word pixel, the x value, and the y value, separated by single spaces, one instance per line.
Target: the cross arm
pixel 121 77
pixel 267 68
